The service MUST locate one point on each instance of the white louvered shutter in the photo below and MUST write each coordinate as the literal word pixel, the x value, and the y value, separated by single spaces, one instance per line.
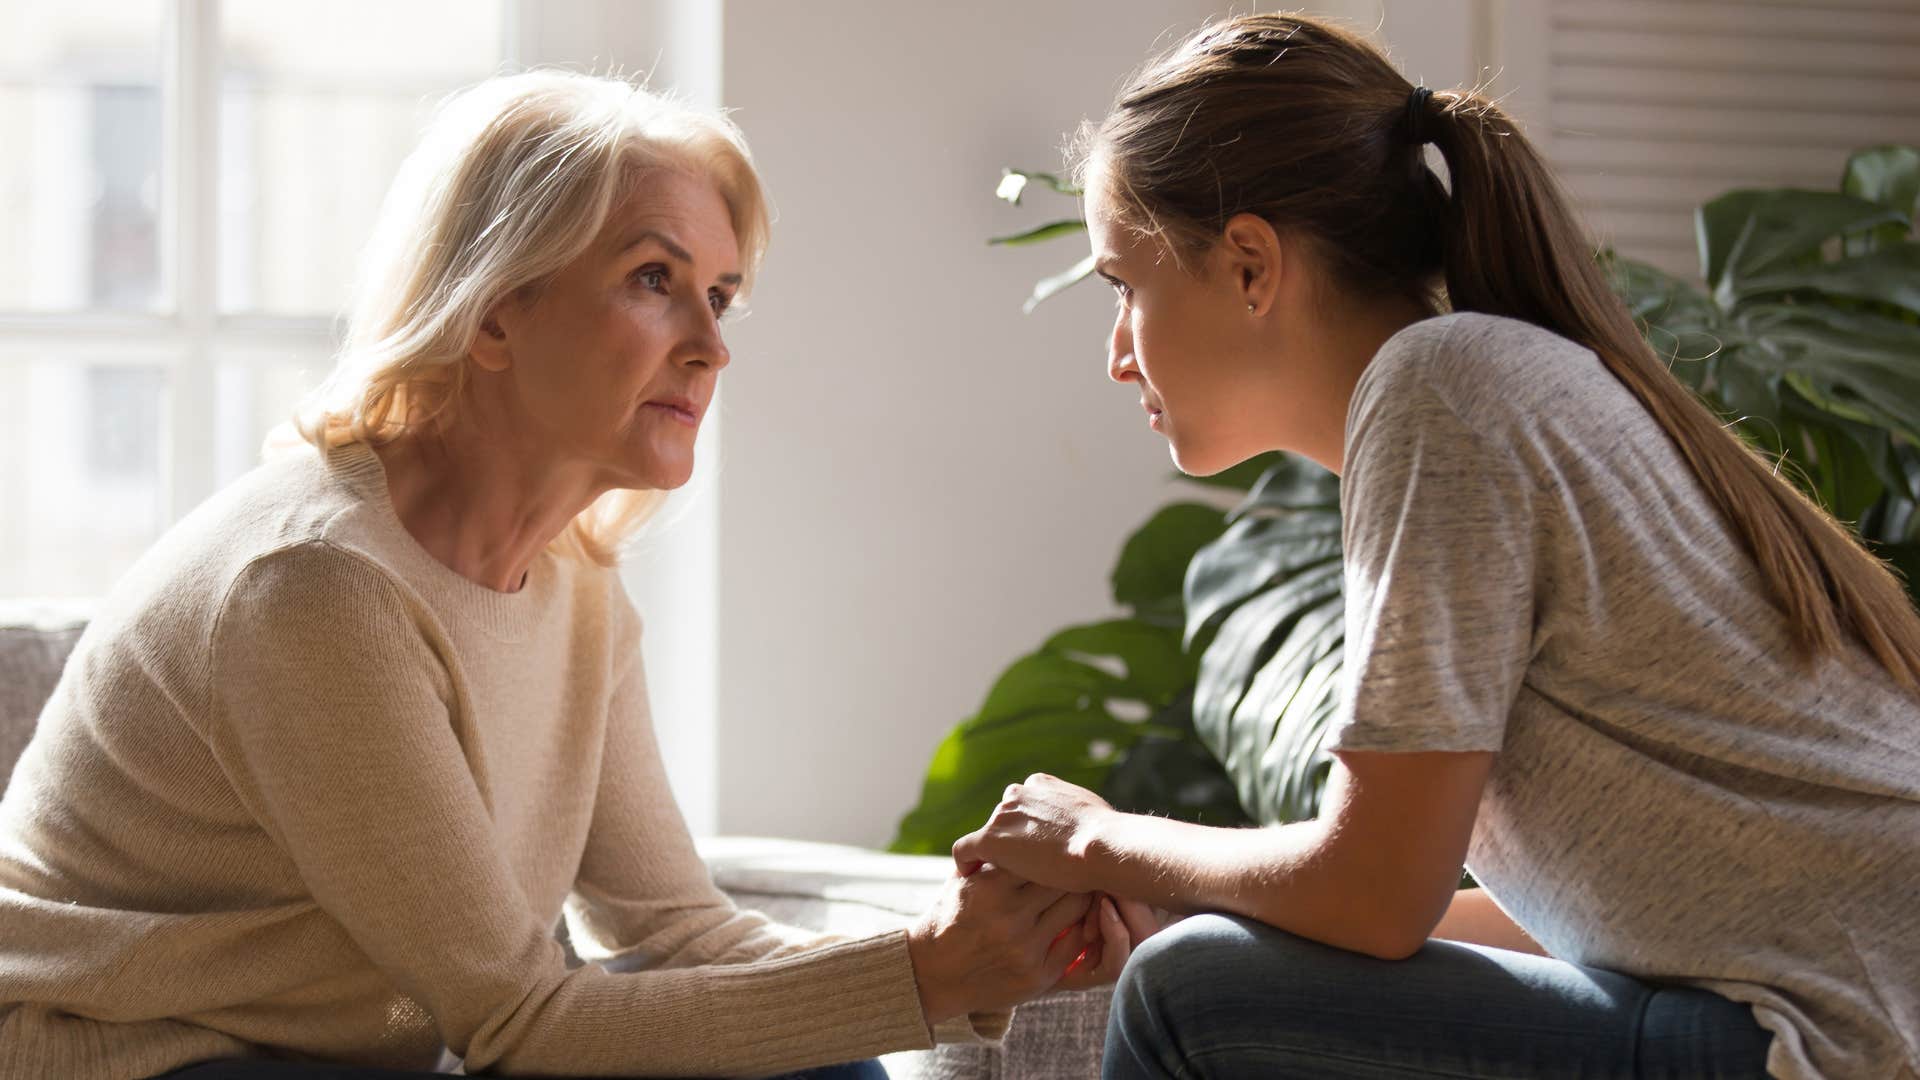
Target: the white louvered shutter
pixel 1658 105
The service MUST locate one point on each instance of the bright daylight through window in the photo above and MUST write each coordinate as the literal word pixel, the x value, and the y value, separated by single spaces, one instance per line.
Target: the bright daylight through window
pixel 185 192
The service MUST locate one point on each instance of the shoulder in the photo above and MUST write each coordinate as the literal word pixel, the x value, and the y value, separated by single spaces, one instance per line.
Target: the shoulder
pixel 281 503
pixel 314 566
pixel 309 587
pixel 1498 376
pixel 1473 361
pixel 171 595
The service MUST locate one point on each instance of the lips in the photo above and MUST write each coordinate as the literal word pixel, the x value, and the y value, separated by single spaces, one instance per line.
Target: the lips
pixel 679 406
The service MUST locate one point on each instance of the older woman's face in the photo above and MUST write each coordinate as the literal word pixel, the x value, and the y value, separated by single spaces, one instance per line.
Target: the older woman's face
pixel 614 362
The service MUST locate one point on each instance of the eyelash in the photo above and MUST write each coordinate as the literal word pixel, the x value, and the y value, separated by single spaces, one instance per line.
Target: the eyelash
pixel 721 301
pixel 1119 287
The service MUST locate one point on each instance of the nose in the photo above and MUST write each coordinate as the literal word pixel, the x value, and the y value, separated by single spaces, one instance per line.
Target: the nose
pixel 704 346
pixel 1120 365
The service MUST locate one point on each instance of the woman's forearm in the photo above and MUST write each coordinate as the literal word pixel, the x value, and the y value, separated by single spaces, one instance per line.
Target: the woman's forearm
pixel 1372 873
pixel 1282 875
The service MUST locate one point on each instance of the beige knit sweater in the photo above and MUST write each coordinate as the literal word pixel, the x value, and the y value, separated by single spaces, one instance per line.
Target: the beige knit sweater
pixel 305 791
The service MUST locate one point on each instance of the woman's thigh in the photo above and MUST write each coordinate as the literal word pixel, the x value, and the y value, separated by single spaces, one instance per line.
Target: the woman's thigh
pixel 304 1070
pixel 1217 996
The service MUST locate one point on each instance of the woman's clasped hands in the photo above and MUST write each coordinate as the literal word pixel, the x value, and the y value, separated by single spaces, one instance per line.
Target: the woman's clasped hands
pixel 1021 916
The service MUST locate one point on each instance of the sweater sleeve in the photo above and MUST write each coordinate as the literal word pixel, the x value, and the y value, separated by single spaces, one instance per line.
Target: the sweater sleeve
pixel 663 910
pixel 643 898
pixel 328 712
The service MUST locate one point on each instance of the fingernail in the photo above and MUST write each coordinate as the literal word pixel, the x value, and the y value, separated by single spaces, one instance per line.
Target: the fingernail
pixel 1109 910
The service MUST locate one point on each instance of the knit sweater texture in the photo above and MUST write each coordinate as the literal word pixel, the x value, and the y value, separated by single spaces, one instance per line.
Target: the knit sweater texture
pixel 304 791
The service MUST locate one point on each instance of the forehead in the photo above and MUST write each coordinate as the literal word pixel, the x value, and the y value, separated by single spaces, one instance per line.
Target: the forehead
pixel 686 208
pixel 1111 241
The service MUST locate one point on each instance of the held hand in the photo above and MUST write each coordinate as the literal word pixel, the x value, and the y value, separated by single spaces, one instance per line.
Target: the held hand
pixel 1042 831
pixel 1120 926
pixel 992 941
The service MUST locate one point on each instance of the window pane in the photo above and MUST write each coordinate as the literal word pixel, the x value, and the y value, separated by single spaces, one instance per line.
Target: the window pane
pixel 81 180
pixel 319 102
pixel 82 473
pixel 254 395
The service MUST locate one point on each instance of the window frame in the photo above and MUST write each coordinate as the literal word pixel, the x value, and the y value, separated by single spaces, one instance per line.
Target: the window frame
pixel 188 337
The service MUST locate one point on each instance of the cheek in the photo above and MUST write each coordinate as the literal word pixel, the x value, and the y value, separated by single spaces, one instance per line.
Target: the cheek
pixel 627 346
pixel 1175 354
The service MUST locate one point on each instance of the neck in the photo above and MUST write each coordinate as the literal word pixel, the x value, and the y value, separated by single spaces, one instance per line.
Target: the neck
pixel 483 509
pixel 1344 341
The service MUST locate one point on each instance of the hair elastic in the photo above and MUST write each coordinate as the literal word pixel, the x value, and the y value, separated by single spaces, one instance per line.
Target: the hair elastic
pixel 1417 113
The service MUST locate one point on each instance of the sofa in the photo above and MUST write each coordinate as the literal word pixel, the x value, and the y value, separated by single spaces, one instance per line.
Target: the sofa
pixel 820 886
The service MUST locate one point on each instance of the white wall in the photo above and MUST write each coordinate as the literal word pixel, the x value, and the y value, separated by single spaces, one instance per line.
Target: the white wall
pixel 915 482
pixel 920 482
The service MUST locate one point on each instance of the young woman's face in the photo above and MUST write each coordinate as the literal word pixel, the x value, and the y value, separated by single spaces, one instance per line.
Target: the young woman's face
pixel 615 360
pixel 1187 339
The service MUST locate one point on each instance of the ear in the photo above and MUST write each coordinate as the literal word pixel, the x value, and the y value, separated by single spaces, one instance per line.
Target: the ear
pixel 490 348
pixel 1253 254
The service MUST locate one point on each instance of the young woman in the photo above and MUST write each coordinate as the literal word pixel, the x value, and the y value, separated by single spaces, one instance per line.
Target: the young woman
pixel 318 783
pixel 1662 706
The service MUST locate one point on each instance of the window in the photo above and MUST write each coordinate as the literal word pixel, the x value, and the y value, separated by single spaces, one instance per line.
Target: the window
pixel 187 186
pixel 185 190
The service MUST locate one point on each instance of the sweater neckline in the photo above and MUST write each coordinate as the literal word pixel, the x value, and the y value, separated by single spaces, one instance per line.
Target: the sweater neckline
pixel 505 616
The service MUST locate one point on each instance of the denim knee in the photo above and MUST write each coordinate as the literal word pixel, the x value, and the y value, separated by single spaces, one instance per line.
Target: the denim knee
pixel 1199 971
pixel 1180 968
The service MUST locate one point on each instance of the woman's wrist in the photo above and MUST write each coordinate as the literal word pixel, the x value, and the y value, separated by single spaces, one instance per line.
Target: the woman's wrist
pixel 935 1004
pixel 1148 858
pixel 1100 844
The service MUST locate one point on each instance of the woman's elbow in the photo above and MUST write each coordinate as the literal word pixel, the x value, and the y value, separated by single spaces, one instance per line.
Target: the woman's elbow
pixel 1387 921
pixel 1394 944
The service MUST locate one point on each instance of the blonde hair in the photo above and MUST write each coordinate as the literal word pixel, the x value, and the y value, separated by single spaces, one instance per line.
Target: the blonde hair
pixel 1309 126
pixel 511 182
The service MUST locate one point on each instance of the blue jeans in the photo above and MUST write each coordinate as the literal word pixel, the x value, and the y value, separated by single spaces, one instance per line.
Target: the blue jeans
pixel 300 1070
pixel 1219 996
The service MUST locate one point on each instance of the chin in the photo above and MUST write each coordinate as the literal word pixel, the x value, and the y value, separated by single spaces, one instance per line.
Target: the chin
pixel 670 481
pixel 1199 462
pixel 656 476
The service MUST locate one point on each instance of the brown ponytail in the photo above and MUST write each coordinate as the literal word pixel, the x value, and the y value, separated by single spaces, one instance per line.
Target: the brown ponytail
pixel 1309 126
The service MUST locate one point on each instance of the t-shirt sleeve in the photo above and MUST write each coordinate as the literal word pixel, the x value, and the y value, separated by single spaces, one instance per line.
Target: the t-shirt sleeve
pixel 1438 529
pixel 329 716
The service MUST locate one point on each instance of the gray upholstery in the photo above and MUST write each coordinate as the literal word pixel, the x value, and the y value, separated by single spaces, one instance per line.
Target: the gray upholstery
pixel 34 643
pixel 820 886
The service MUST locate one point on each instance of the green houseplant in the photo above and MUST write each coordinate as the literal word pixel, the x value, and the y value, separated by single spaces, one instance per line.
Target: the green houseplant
pixel 1209 699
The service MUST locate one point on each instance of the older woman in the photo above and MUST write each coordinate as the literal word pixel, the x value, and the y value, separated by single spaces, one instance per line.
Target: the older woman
pixel 319 781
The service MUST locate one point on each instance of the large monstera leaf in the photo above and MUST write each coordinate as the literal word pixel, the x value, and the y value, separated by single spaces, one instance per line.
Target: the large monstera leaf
pixel 1073 708
pixel 1807 337
pixel 1266 604
pixel 1107 705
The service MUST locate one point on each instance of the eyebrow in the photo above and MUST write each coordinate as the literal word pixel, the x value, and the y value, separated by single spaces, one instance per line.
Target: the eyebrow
pixel 675 250
pixel 1103 262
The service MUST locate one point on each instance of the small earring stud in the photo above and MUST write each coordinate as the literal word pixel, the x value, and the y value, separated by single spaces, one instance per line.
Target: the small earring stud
pixel 1249 307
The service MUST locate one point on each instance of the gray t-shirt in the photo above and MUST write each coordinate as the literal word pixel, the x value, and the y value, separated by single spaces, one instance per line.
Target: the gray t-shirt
pixel 1533 569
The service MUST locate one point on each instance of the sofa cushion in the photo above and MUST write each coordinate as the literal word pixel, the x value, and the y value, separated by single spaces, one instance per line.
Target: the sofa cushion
pixel 34 642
